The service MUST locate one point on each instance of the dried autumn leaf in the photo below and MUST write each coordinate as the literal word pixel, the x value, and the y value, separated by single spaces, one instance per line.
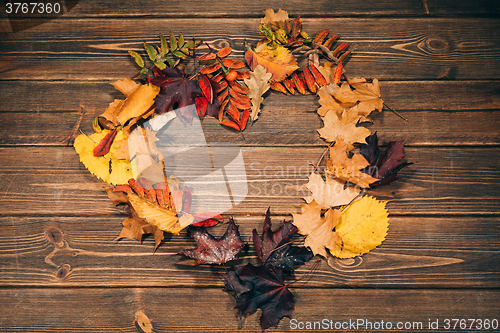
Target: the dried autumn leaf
pixel 213 251
pixel 135 228
pixel 126 86
pixel 270 240
pixel 343 125
pixel 280 16
pixel 278 61
pixel 319 230
pixel 385 166
pixel 362 227
pixel 164 219
pixel 261 287
pixel 339 165
pixel 107 167
pixel 330 193
pixel 137 103
pixel 258 83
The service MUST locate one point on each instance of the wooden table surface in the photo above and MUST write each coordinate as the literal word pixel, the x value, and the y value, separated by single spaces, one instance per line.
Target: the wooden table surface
pixel 439 65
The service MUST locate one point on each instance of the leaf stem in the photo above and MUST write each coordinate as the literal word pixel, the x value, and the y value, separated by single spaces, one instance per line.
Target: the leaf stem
pixel 303 276
pixel 395 112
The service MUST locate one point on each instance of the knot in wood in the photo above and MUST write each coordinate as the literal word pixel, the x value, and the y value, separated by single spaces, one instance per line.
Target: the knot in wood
pixel 63 272
pixel 437 45
pixel 55 236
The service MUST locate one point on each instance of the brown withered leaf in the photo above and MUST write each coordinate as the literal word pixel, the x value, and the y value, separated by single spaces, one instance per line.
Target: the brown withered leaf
pixel 330 193
pixel 343 125
pixel 280 16
pixel 340 166
pixel 258 83
pixel 319 230
pixel 135 228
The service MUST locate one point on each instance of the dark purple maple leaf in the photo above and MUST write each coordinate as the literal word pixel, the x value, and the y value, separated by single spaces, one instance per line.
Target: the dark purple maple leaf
pixel 215 251
pixel 383 166
pixel 261 287
pixel 289 256
pixel 176 87
pixel 271 240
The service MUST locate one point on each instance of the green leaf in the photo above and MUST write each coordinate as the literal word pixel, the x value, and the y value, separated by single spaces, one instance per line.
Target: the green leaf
pixel 144 70
pixel 173 42
pixel 192 44
pixel 137 58
pixel 164 45
pixel 151 51
pixel 160 65
pixel 179 54
pixel 170 62
pixel 180 43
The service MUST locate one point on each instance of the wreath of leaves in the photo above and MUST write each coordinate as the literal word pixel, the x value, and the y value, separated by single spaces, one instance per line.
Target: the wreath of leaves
pixel 232 92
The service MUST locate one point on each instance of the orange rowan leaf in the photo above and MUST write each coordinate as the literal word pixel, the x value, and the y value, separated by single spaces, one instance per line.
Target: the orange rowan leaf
pixel 224 52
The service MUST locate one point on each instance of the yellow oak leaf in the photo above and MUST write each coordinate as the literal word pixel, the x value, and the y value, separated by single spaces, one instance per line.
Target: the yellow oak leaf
pixel 343 125
pixel 330 193
pixel 362 227
pixel 108 167
pixel 339 165
pixel 278 61
pixel 319 230
pixel 258 83
pixel 164 219
pixel 270 16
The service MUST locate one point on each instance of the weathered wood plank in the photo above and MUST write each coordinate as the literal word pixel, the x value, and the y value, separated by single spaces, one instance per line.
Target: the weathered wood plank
pixel 463 7
pixel 49 112
pixel 211 310
pixel 79 251
pixel 442 181
pixel 385 48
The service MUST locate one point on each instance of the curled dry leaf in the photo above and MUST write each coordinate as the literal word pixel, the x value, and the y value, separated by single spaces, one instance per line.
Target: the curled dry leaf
pixel 340 166
pixel 278 61
pixel 362 227
pixel 258 84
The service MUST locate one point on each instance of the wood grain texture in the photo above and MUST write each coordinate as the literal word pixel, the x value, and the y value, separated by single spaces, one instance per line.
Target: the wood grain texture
pixel 436 111
pixel 79 251
pixel 385 48
pixel 442 181
pixel 211 310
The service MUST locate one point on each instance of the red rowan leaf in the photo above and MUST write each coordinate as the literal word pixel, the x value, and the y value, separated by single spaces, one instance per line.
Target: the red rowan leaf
pixel 103 147
pixel 224 52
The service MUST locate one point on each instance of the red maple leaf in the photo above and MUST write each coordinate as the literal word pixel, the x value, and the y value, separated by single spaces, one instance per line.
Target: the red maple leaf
pixel 213 251
pixel 271 240
pixel 261 287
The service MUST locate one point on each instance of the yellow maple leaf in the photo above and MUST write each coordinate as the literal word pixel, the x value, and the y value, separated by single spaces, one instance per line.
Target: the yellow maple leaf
pixel 319 230
pixel 164 219
pixel 258 83
pixel 278 60
pixel 343 125
pixel 330 193
pixel 339 165
pixel 108 167
pixel 362 227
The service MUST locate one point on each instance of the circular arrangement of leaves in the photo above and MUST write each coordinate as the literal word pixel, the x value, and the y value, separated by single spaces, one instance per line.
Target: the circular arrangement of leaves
pixel 337 218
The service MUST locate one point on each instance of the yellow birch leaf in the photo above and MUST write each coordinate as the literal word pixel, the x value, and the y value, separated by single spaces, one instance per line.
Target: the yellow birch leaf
pixel 339 165
pixel 107 167
pixel 258 83
pixel 319 230
pixel 278 61
pixel 164 219
pixel 330 193
pixel 362 227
